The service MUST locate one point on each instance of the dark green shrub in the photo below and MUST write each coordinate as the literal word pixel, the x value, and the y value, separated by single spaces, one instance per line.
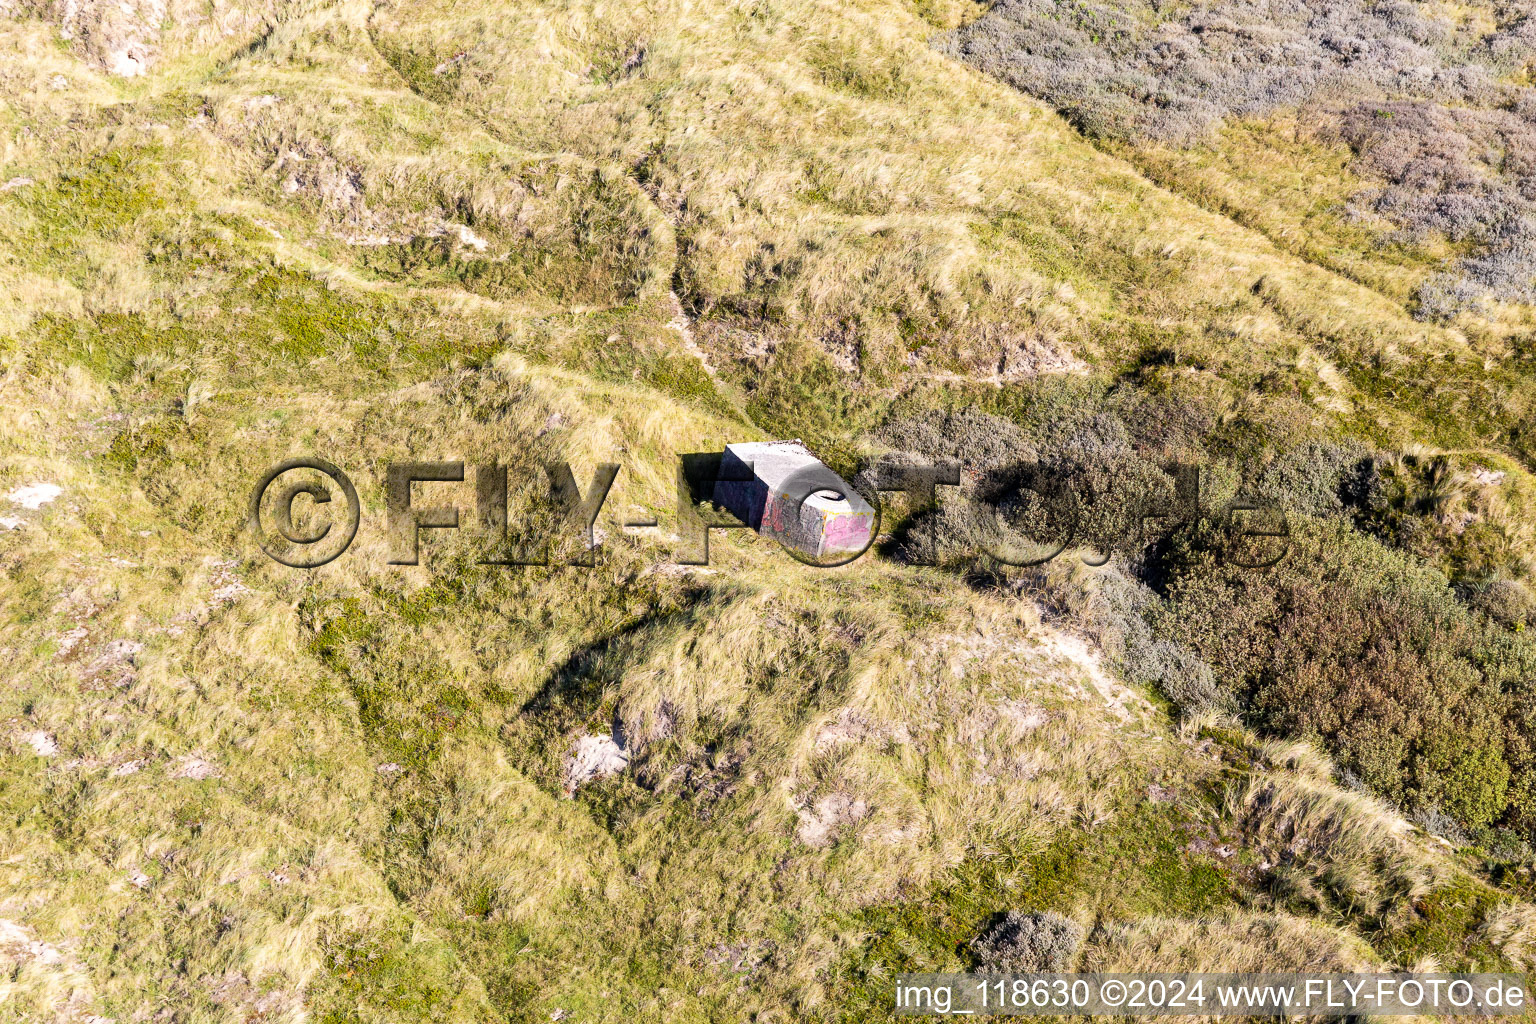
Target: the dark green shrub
pixel 1372 654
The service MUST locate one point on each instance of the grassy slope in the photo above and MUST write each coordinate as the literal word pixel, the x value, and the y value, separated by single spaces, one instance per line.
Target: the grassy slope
pixel 175 321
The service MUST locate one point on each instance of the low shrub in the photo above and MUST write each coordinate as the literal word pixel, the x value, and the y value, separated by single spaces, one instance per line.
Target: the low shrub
pixel 1391 634
pixel 1507 601
pixel 1121 68
pixel 1023 943
pixel 1460 172
pixel 1424 107
pixel 1370 652
pixel 976 440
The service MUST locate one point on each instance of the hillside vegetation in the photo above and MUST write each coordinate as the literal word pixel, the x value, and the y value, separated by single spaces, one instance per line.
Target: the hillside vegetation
pixel 231 234
pixel 1420 117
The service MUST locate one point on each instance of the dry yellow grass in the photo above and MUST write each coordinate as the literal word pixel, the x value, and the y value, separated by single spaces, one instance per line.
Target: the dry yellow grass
pixel 336 795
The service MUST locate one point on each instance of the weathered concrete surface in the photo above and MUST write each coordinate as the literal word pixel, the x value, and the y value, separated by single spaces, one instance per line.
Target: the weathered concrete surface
pixel 763 483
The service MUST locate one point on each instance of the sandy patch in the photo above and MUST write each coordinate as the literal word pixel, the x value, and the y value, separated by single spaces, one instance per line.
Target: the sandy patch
pixel 594 757
pixel 34 496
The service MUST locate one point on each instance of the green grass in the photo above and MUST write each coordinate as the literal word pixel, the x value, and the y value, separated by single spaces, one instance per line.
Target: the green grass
pixel 1136 866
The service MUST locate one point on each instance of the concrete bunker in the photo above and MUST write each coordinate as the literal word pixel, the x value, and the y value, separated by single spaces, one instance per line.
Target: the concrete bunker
pixel 781 490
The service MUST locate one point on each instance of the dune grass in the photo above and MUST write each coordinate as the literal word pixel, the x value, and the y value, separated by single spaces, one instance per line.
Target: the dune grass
pixel 423 231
